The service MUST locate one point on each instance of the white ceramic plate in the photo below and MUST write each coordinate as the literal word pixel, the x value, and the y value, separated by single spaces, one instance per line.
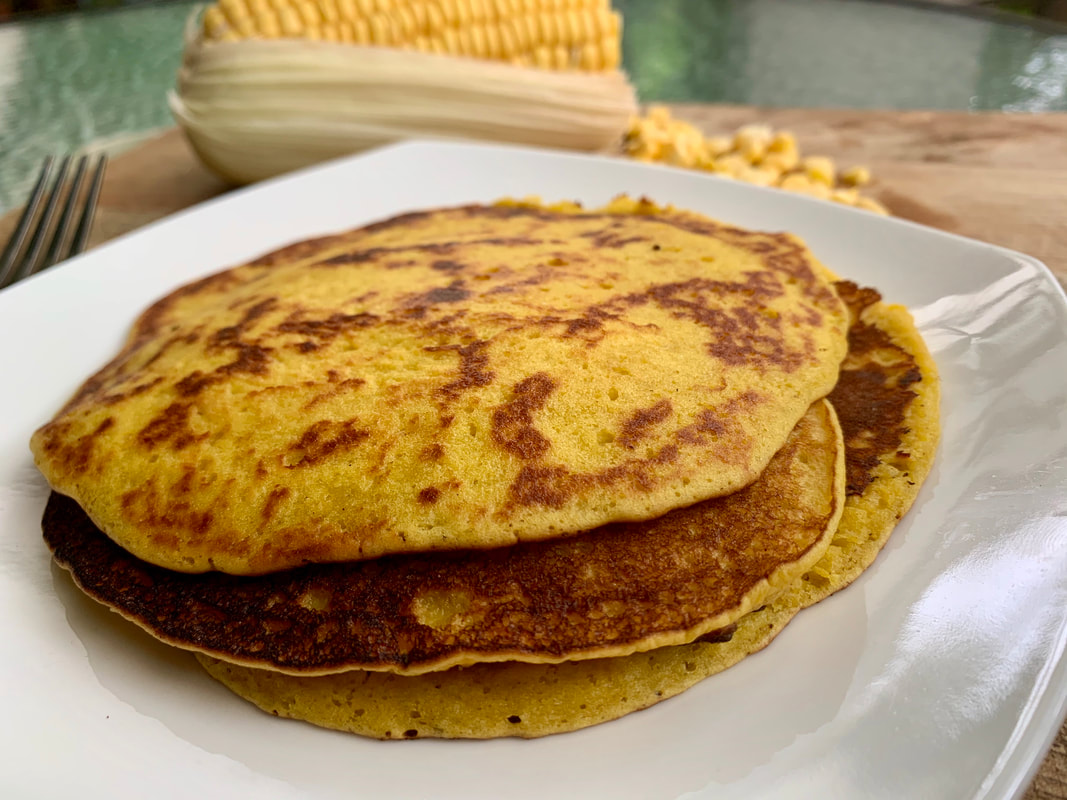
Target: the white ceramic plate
pixel 938 674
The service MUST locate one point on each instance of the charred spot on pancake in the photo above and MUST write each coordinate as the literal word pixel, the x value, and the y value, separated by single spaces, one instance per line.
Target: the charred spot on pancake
pixel 512 422
pixel 873 392
pixel 449 326
pixel 251 358
pixel 473 363
pixel 380 253
pixel 739 335
pixel 509 212
pixel 584 324
pixel 185 482
pixel 590 325
pixel 871 404
pixel 856 298
pixel 170 426
pixel 708 425
pixel 668 454
pixel 447 265
pixel 231 334
pixel 327 328
pixel 453 293
pixel 429 495
pixel 508 241
pixel 160 351
pixel 151 322
pixel 538 277
pixel 549 487
pixel 432 451
pixel 710 429
pixel 447 248
pixel 277 495
pixel 321 440
pixel 75 455
pixel 611 237
pixel 193 383
pixel 637 425
pixel 114 397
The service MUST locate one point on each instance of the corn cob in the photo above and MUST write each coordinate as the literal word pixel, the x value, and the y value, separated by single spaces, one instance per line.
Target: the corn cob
pixel 546 34
pixel 259 107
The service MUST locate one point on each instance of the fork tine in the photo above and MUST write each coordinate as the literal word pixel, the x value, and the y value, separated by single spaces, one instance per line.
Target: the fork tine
pixel 29 262
pixel 67 215
pixel 18 238
pixel 14 267
pixel 85 224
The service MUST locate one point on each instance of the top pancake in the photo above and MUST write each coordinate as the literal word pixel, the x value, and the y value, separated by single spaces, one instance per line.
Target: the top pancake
pixel 466 377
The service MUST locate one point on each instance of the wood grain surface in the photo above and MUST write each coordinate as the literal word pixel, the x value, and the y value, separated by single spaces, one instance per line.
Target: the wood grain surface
pixel 998 178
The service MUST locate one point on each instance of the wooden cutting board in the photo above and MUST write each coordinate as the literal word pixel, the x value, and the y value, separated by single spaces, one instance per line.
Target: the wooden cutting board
pixel 998 178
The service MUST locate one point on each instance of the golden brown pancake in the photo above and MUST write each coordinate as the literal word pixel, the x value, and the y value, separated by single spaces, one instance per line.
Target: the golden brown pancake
pixel 887 398
pixel 612 591
pixel 459 378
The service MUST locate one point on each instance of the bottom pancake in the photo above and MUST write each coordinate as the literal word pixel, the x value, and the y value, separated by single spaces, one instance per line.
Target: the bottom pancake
pixel 887 401
pixel 488 701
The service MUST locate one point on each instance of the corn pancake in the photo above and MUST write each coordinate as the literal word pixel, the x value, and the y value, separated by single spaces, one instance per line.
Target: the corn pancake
pixel 887 398
pixel 630 587
pixel 459 378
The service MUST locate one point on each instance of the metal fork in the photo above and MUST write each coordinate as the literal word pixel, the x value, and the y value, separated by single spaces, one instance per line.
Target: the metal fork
pixel 19 261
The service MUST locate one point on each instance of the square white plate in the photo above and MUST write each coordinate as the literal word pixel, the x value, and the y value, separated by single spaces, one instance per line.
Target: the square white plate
pixel 938 674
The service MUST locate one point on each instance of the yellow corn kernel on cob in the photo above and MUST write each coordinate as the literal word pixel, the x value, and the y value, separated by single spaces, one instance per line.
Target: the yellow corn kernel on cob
pixel 753 154
pixel 548 34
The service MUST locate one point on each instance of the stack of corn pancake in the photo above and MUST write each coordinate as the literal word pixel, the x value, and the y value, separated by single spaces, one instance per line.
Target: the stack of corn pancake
pixel 490 471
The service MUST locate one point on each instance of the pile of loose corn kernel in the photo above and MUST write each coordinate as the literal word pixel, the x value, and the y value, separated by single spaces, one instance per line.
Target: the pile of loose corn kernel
pixel 754 154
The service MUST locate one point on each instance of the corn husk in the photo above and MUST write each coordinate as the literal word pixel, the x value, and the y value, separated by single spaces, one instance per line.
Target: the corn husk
pixel 259 108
